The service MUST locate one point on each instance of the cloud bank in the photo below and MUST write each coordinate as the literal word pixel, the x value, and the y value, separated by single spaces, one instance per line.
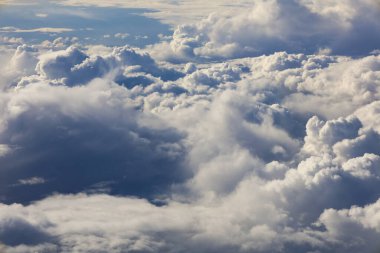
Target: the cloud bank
pixel 337 27
pixel 199 144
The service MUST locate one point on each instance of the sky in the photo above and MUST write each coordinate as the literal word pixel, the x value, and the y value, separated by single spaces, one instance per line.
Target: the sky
pixel 190 126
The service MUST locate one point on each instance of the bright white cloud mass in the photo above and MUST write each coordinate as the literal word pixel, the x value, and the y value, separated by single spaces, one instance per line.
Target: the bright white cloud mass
pixel 255 129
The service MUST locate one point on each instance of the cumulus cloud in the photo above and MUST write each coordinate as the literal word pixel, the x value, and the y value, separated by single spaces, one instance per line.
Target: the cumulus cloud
pixel 355 228
pixel 62 222
pixel 112 150
pixel 338 27
pixel 76 125
pixel 222 157
pixel 11 40
pixel 72 66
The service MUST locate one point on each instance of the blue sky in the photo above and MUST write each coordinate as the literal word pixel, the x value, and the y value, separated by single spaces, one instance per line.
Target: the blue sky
pixel 91 25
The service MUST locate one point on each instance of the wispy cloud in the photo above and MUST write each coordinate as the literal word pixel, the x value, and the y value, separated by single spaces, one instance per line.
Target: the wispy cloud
pixel 32 181
pixel 11 29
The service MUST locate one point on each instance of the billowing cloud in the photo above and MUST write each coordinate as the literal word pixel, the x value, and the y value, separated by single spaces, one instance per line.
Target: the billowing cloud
pixel 338 27
pixel 72 66
pixel 169 149
pixel 226 157
pixel 43 124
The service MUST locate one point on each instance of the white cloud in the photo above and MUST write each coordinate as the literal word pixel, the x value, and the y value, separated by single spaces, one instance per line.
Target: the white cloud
pixel 363 167
pixel 4 40
pixel 355 228
pixel 121 35
pixel 341 27
pixel 40 29
pixel 32 181
pixel 42 15
pixel 276 153
pixel 168 11
pixel 4 150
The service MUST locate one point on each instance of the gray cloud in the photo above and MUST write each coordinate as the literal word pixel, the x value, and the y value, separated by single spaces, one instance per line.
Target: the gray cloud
pixel 72 66
pixel 73 138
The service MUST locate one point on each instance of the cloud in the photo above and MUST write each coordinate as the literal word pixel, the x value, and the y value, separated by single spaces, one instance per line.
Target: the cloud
pixel 322 136
pixel 72 66
pixel 121 35
pixel 68 127
pixel 13 231
pixel 4 149
pixel 41 15
pixel 21 62
pixel 32 181
pixel 363 167
pixel 112 150
pixel 10 29
pixel 355 228
pixel 342 27
pixel 168 11
pixel 369 115
pixel 11 40
pixel 60 221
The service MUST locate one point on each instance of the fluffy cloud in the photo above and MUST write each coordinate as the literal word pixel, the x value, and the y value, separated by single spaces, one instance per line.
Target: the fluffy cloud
pixel 232 167
pixel 342 27
pixel 235 223
pixel 355 228
pixel 111 150
pixel 11 40
pixel 78 137
pixel 72 66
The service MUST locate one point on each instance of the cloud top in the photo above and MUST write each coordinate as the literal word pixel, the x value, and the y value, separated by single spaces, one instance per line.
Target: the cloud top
pixel 249 133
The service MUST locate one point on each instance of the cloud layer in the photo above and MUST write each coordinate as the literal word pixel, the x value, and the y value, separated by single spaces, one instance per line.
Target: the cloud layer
pixel 170 149
pixel 263 154
pixel 338 27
